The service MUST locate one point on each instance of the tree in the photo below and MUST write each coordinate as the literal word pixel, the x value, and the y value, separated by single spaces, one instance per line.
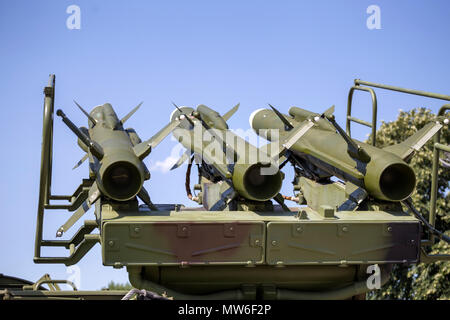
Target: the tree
pixel 118 286
pixel 422 281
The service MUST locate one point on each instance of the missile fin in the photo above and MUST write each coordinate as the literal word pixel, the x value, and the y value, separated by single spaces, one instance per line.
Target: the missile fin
pixel 131 113
pixel 286 122
pixel 230 113
pixel 81 161
pixel 86 113
pixel 279 198
pixel 407 148
pixel 145 197
pixel 185 115
pixel 144 148
pixel 182 159
pixel 329 111
pixel 93 195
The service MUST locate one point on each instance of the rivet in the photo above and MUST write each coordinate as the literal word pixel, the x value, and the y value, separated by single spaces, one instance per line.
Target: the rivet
pixel 345 229
pixel 111 243
pixel 257 242
pixel 184 228
pixel 137 229
pixel 274 243
pixel 389 229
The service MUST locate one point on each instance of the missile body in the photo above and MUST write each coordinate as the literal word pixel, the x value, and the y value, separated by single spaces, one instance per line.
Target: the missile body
pixel 226 156
pixel 119 173
pixel 324 152
pixel 115 154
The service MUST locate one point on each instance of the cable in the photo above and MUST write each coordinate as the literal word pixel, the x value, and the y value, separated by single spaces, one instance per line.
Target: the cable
pixel 188 181
pixel 439 234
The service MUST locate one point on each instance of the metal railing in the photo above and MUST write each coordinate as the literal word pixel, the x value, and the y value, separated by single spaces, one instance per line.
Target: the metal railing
pixel 82 241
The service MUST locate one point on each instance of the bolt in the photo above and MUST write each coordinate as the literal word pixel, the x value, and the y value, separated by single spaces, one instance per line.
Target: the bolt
pixel 111 243
pixel 257 242
pixel 231 228
pixel 137 229
pixel 274 243
pixel 389 229
pixel 299 229
pixel 184 229
pixel 345 229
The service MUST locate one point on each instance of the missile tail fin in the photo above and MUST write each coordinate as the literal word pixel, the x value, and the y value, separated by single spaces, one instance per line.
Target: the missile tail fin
pixel 145 197
pixel 128 116
pixel 182 159
pixel 86 113
pixel 81 161
pixel 407 148
pixel 144 148
pixel 230 113
pixel 329 111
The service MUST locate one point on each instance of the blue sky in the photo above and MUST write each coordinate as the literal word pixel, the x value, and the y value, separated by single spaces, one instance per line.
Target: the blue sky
pixel 302 53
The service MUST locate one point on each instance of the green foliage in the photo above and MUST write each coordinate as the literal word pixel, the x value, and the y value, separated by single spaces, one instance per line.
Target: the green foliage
pixel 422 281
pixel 118 286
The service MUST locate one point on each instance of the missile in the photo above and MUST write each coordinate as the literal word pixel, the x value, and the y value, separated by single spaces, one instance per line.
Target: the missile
pixel 115 157
pixel 325 150
pixel 226 157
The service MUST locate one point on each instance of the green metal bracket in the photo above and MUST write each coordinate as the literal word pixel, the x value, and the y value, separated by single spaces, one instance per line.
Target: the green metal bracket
pixel 82 241
pixel 52 284
pixel 430 258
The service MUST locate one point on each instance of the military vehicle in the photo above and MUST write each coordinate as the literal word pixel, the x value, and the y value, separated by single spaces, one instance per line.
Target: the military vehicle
pixel 352 206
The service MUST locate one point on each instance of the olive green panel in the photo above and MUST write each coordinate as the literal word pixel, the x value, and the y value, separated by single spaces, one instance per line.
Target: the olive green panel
pixel 183 243
pixel 342 242
pixel 207 279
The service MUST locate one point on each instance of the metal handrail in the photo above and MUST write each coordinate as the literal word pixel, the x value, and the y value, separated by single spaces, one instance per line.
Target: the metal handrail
pixel 82 241
pixel 53 282
pixel 437 147
pixel 349 118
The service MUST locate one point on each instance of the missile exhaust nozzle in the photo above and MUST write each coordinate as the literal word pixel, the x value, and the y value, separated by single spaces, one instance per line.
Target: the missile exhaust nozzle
pixel 121 176
pixel 258 181
pixel 122 181
pixel 395 181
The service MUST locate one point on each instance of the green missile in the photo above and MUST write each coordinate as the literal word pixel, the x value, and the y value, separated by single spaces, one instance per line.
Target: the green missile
pixel 115 157
pixel 324 150
pixel 226 156
pixel 115 154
